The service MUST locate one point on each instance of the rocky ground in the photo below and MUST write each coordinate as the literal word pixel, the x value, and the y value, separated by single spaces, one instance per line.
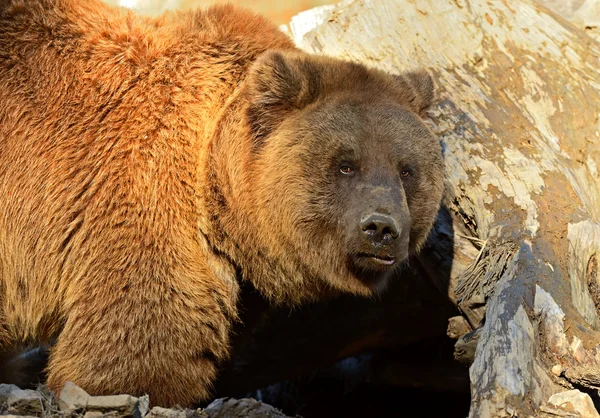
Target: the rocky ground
pixel 75 402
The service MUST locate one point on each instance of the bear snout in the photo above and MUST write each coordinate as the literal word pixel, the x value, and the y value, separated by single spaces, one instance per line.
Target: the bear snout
pixel 380 242
pixel 379 228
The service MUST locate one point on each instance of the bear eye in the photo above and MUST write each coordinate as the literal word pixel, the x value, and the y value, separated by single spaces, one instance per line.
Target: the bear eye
pixel 346 170
pixel 405 173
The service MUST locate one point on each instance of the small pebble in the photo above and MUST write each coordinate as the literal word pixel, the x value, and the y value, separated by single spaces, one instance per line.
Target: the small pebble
pixel 557 369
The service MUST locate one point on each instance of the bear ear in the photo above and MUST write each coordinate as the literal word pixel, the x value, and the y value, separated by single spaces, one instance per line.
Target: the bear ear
pixel 279 83
pixel 418 89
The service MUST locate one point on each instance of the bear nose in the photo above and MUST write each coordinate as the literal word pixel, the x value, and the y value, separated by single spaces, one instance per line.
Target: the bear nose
pixel 379 228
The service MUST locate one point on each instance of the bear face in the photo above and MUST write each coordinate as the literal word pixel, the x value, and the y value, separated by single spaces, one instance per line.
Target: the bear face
pixel 346 178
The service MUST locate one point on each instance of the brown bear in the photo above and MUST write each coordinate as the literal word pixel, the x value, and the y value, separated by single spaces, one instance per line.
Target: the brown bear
pixel 149 165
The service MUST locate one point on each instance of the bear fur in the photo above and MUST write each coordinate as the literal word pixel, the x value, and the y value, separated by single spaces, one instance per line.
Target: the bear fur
pixel 149 164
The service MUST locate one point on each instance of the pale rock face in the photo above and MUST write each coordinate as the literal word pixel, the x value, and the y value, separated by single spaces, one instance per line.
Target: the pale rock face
pixel 565 8
pixel 575 401
pixel 585 14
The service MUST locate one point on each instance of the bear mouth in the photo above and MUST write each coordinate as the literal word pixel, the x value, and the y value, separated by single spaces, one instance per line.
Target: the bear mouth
pixel 373 270
pixel 383 260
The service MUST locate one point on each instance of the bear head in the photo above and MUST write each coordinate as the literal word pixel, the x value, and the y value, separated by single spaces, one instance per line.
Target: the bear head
pixel 346 178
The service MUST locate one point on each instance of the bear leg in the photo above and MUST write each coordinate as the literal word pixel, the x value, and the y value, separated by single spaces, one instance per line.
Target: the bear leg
pixel 163 339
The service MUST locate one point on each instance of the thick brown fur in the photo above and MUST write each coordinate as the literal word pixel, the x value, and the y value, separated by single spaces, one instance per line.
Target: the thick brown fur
pixel 139 175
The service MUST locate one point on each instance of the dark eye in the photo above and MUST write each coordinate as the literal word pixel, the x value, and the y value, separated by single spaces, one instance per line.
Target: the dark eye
pixel 346 170
pixel 405 173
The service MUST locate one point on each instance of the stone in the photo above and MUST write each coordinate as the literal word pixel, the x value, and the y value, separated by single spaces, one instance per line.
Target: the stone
pixel 233 408
pixel 575 401
pixel 99 414
pixel 557 369
pixel 158 412
pixel 143 407
pixel 93 414
pixel 457 327
pixel 5 390
pixel 124 404
pixel 585 14
pixel 72 398
pixel 25 402
pixel 17 416
pixel 578 350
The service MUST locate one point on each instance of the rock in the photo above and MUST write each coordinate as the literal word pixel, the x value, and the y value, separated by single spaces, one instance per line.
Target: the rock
pixel 75 402
pixel 25 402
pixel 72 398
pixel 588 18
pixel 17 416
pixel 585 14
pixel 93 414
pixel 557 369
pixel 465 347
pixel 233 408
pixel 98 414
pixel 124 404
pixel 457 327
pixel 143 407
pixel 5 390
pixel 575 401
pixel 158 412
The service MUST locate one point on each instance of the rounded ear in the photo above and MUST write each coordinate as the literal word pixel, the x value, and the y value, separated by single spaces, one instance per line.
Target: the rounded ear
pixel 279 82
pixel 418 88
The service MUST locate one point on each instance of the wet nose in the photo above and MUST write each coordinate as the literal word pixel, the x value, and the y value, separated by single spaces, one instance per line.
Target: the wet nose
pixel 380 228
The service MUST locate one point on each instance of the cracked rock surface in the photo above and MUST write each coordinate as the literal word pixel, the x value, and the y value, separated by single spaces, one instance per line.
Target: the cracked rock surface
pixel 75 402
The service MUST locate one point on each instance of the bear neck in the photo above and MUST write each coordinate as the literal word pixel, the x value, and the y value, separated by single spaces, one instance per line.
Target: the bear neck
pixel 228 210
